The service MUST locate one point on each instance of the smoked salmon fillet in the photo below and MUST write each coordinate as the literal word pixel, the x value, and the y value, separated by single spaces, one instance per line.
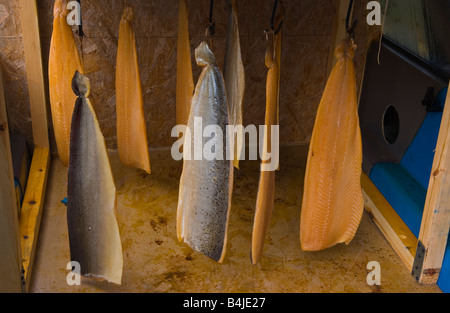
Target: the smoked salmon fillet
pixel 206 183
pixel 131 129
pixel 185 80
pixel 266 189
pixel 64 61
pixel 234 76
pixel 332 200
pixel 91 208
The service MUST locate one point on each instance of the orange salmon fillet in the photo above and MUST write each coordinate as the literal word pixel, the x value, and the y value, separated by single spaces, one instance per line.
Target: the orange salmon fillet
pixel 185 80
pixel 266 189
pixel 131 129
pixel 332 201
pixel 64 61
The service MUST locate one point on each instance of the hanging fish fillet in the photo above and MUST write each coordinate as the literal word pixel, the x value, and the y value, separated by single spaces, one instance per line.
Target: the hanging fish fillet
pixel 234 77
pixel 91 209
pixel 266 189
pixel 63 62
pixel 131 130
pixel 332 201
pixel 206 185
pixel 185 81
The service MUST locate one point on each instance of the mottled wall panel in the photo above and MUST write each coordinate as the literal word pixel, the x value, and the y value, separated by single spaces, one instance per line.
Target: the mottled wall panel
pixel 12 60
pixel 307 31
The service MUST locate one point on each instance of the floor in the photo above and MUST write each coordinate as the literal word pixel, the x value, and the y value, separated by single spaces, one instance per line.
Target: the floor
pixel 154 260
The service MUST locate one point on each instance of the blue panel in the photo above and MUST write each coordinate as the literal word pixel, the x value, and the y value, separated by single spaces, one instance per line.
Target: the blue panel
pixel 418 160
pixel 444 278
pixel 402 191
pixel 405 185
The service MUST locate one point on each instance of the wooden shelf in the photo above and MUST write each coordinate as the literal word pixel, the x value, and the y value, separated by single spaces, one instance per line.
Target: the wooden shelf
pixel 402 240
pixel 31 213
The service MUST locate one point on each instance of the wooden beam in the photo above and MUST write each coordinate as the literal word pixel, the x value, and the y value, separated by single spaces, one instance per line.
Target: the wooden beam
pixel 33 202
pixel 436 218
pixel 35 74
pixel 10 259
pixel 389 222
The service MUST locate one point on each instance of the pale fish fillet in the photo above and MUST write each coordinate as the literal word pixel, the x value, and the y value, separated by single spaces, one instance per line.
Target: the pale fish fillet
pixel 206 186
pixel 131 130
pixel 332 201
pixel 185 80
pixel 64 61
pixel 266 189
pixel 91 209
pixel 234 76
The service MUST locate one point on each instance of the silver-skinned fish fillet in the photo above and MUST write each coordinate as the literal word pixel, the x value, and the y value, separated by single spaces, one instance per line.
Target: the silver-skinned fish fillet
pixel 206 186
pixel 234 76
pixel 93 230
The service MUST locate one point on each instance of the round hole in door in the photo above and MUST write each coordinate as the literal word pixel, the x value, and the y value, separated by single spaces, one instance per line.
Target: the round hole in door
pixel 391 125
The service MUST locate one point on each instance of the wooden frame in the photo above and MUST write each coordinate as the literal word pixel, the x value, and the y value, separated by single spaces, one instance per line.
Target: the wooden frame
pixel 23 231
pixel 435 225
pixel 402 240
pixel 19 234
pixel 436 218
pixel 10 265
pixel 30 215
pixel 35 72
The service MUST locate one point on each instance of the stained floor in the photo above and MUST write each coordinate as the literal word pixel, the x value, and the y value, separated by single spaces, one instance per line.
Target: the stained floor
pixel 155 261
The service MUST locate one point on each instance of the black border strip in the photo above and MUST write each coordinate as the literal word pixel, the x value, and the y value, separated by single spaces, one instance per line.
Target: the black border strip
pixel 416 61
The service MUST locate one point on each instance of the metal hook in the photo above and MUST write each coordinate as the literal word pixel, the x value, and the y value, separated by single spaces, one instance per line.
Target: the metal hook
pixel 274 11
pixel 80 27
pixel 211 30
pixel 276 31
pixel 350 29
pixel 272 20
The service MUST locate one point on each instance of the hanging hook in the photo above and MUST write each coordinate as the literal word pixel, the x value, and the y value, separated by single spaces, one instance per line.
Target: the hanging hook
pixel 275 29
pixel 211 30
pixel 80 27
pixel 272 20
pixel 350 29
pixel 274 11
